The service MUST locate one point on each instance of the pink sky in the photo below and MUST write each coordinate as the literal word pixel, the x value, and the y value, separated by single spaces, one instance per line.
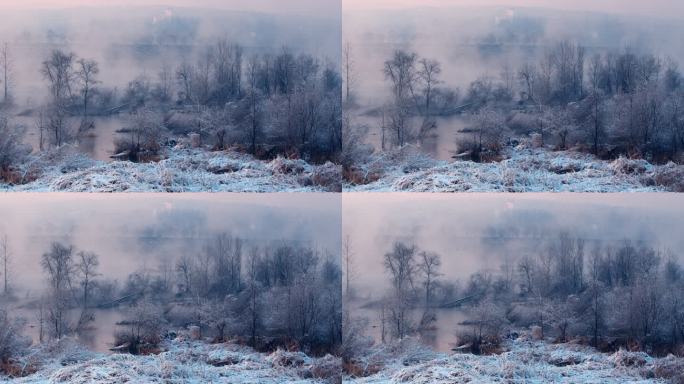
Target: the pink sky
pixel 652 7
pixel 251 5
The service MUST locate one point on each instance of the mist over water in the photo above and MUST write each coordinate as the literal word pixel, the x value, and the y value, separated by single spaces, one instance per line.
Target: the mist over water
pixel 143 231
pixel 472 40
pixel 136 41
pixel 480 231
pixel 128 40
pixel 148 233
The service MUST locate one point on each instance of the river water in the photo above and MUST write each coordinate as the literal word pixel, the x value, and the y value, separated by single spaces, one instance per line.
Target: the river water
pixel 441 338
pixel 98 337
pixel 440 143
pixel 98 143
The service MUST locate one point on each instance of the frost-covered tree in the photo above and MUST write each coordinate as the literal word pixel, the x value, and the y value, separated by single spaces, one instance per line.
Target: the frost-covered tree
pixel 5 263
pixel 59 268
pixel 401 265
pixel 86 264
pixel 86 76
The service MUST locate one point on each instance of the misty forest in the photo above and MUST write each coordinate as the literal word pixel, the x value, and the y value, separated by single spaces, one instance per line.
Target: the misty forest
pixel 521 300
pixel 187 111
pixel 516 98
pixel 615 298
pixel 228 303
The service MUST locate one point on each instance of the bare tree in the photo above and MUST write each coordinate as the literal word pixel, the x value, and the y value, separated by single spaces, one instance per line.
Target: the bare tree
pixel 429 264
pixel 401 265
pixel 86 74
pixel 596 298
pixel 254 306
pixel 527 75
pixel 348 67
pixel 526 269
pixel 184 74
pixel 5 262
pixel 58 264
pixel 164 87
pixel 7 66
pixel 428 72
pixel 42 127
pixel 255 104
pixel 184 269
pixel 401 71
pixel 59 72
pixel 86 268
pixel 348 261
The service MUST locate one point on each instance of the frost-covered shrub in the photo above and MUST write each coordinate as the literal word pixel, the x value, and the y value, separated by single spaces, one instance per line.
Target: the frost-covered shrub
pixel 623 358
pixel 486 142
pixel 328 176
pixel 623 165
pixel 670 176
pixel 287 166
pixel 487 321
pixel 354 342
pixel 415 161
pixel 145 323
pixel 12 150
pixel 670 368
pixel 328 369
pixel 282 358
pixel 146 135
pixel 354 150
pixel 12 343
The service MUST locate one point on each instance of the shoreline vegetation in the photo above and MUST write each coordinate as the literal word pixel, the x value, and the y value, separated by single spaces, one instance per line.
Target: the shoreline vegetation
pixel 178 169
pixel 565 118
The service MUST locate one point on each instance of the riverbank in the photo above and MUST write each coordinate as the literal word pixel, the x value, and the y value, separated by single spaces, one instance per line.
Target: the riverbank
pixel 522 361
pixel 521 170
pixel 179 170
pixel 179 361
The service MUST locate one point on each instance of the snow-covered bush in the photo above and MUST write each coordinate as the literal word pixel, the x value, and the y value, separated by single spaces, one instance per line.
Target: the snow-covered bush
pixel 487 320
pixel 12 343
pixel 671 177
pixel 145 323
pixel 287 166
pixel 623 165
pixel 327 368
pixel 354 150
pixel 146 135
pixel 328 176
pixel 354 342
pixel 12 151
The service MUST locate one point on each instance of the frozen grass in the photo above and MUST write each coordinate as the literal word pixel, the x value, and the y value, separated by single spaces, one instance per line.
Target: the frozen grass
pixel 524 361
pixel 523 170
pixel 182 170
pixel 181 362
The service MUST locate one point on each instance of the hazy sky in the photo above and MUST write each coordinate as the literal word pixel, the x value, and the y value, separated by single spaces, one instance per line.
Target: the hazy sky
pixel 474 232
pixel 668 8
pixel 316 6
pixel 134 231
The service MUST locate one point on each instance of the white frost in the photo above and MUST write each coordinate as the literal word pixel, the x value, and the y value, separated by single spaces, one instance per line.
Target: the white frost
pixel 523 170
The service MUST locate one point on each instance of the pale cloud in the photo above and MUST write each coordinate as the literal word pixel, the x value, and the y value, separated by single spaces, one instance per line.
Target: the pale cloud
pixel 665 8
pixel 269 6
